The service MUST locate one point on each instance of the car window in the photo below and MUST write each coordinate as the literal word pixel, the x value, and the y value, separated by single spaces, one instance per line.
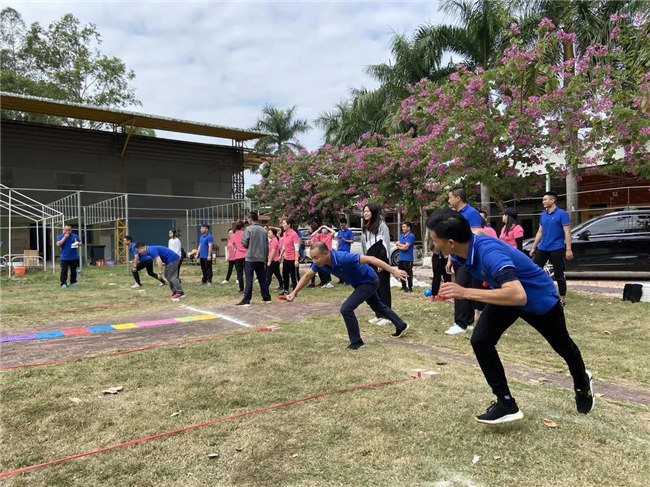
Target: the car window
pixel 640 224
pixel 610 226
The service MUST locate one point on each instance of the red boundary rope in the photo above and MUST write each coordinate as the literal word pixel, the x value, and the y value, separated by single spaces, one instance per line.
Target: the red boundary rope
pixel 9 473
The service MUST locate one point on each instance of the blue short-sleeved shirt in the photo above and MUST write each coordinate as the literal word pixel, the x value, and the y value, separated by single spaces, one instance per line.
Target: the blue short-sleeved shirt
pixel 487 256
pixel 346 234
pixel 143 257
pixel 166 255
pixel 552 229
pixel 346 266
pixel 67 252
pixel 407 255
pixel 472 215
pixel 204 242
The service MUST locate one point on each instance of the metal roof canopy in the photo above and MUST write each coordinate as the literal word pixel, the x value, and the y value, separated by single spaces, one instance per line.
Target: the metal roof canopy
pixel 44 106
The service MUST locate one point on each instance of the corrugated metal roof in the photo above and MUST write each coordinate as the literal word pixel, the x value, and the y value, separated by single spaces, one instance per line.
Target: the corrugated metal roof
pixel 44 106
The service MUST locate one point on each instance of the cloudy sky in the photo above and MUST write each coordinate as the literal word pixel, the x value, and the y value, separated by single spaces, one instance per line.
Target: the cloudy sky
pixel 221 62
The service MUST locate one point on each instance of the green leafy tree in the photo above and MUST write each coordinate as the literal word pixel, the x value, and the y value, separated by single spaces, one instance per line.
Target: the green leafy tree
pixel 62 62
pixel 283 128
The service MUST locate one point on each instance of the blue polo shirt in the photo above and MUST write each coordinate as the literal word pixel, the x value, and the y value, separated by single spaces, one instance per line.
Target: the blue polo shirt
pixel 142 258
pixel 67 252
pixel 346 267
pixel 166 255
pixel 552 229
pixel 472 215
pixel 407 255
pixel 204 242
pixel 346 234
pixel 489 259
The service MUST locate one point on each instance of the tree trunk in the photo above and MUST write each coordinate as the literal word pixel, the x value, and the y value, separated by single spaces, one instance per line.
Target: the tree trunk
pixel 572 195
pixel 485 198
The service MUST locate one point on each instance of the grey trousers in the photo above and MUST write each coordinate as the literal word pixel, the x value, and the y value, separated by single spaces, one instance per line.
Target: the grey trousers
pixel 171 274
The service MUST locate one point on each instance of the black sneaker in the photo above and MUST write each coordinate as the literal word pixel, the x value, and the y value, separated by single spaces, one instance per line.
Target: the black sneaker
pixel 400 331
pixel 585 397
pixel 563 303
pixel 500 412
pixel 267 301
pixel 243 303
pixel 355 346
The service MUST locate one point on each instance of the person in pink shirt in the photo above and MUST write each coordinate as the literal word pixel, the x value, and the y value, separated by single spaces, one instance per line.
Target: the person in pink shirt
pixel 273 260
pixel 326 235
pixel 230 257
pixel 240 254
pixel 290 254
pixel 487 229
pixel 511 232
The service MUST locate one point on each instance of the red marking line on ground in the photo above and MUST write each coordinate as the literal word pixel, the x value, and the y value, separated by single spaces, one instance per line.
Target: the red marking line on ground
pixel 72 310
pixel 9 473
pixel 132 350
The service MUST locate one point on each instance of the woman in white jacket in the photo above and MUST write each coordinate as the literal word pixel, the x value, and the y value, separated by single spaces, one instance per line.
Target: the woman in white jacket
pixel 375 242
pixel 175 246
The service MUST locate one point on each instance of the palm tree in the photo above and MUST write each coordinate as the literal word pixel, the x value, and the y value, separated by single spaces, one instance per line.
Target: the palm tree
pixel 589 20
pixel 282 128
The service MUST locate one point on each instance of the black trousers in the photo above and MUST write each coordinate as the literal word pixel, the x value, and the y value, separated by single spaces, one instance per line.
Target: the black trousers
pixel 231 266
pixel 324 278
pixel 463 309
pixel 239 267
pixel 495 320
pixel 147 264
pixel 558 259
pixel 274 270
pixel 72 265
pixel 259 268
pixel 206 269
pixel 289 271
pixel 368 293
pixel 407 265
pixel 438 264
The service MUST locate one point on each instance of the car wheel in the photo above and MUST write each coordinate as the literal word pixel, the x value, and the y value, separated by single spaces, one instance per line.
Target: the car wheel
pixel 548 268
pixel 302 259
pixel 394 258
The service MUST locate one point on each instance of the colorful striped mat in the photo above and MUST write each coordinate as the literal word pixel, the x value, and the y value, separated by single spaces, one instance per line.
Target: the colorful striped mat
pixel 102 328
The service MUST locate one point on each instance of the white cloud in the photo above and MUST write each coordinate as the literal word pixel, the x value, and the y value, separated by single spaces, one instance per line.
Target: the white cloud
pixel 221 62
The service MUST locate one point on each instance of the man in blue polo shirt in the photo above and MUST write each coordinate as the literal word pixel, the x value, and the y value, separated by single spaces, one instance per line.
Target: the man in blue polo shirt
pixel 517 289
pixel 406 246
pixel 69 243
pixel 553 240
pixel 162 255
pixel 206 243
pixel 463 309
pixel 344 236
pixel 144 262
pixel 354 270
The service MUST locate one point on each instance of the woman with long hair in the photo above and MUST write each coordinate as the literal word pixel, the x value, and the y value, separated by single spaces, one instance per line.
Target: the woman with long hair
pixel 273 260
pixel 231 256
pixel 240 254
pixel 290 254
pixel 175 246
pixel 511 232
pixel 375 242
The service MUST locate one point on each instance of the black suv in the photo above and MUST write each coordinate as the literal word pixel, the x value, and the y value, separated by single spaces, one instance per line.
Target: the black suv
pixel 610 244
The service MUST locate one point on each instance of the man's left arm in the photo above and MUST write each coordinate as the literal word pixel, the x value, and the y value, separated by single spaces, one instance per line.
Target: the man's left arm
pixel 567 241
pixel 399 274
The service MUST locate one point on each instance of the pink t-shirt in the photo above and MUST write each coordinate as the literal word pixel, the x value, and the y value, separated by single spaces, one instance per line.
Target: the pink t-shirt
pixel 490 231
pixel 290 239
pixel 232 249
pixel 240 250
pixel 326 238
pixel 515 232
pixel 274 244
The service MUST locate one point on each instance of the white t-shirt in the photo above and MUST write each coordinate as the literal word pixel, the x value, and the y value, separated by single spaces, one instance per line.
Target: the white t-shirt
pixel 175 245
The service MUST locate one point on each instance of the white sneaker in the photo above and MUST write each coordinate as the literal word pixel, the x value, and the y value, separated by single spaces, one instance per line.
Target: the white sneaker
pixel 374 321
pixel 224 282
pixel 455 330
pixel 383 322
pixel 136 285
pixel 162 283
pixel 329 285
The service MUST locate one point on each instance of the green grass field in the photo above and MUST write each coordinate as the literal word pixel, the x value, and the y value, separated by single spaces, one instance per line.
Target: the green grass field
pixel 412 433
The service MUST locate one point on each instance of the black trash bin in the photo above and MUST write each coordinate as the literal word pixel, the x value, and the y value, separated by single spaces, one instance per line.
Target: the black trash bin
pixel 96 253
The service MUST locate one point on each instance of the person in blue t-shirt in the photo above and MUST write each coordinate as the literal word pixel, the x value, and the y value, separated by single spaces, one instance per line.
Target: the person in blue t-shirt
pixel 553 240
pixel 162 255
pixel 69 243
pixel 144 262
pixel 406 246
pixel 517 289
pixel 206 243
pixel 344 236
pixel 356 271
